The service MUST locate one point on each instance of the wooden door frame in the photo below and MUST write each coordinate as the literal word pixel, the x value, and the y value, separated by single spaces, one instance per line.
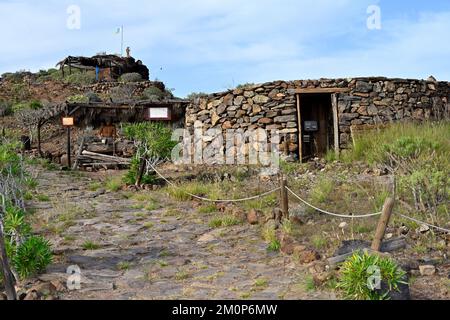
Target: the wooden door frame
pixel 334 92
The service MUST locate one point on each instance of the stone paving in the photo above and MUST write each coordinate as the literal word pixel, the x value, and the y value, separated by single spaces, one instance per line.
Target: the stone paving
pixel 127 249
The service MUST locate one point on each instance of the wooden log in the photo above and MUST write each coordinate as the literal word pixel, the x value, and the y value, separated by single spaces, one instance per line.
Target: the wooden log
pixel 388 246
pixel 102 157
pixel 383 223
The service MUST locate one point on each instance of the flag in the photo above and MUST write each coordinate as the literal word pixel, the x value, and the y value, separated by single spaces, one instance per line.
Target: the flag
pixel 118 30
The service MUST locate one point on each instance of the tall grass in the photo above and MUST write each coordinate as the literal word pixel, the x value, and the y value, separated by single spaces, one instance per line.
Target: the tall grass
pixel 409 139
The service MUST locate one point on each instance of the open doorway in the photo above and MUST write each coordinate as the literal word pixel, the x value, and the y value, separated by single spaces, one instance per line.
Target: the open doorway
pixel 317 124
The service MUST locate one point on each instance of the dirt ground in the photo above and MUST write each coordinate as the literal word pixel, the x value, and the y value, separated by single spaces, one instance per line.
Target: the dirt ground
pixel 146 245
pixel 152 247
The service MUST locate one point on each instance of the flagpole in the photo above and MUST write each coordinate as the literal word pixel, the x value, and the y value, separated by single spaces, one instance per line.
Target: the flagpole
pixel 121 44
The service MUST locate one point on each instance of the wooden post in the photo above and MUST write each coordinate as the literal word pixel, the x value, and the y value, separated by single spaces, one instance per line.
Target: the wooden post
pixel 69 149
pixel 300 129
pixel 284 198
pixel 337 147
pixel 141 171
pixel 383 224
pixel 8 278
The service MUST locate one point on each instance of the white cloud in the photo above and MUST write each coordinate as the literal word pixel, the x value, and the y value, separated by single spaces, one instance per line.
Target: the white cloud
pixel 203 44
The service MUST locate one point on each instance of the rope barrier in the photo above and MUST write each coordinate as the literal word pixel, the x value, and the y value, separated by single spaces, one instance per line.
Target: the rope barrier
pixel 299 198
pixel 212 200
pixel 424 223
pixel 331 213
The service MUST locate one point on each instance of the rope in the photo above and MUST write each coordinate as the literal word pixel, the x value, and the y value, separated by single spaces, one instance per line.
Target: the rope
pixel 331 213
pixel 424 223
pixel 211 200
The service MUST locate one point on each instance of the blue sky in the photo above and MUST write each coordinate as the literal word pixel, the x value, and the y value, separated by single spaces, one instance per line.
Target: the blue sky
pixel 213 45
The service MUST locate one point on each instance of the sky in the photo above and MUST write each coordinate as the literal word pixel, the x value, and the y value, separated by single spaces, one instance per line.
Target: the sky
pixel 214 45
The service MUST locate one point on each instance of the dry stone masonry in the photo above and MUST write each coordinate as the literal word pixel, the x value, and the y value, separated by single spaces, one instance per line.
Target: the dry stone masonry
pixel 368 101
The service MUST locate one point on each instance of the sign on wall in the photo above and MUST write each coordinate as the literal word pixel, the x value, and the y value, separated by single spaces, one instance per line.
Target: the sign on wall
pixel 161 113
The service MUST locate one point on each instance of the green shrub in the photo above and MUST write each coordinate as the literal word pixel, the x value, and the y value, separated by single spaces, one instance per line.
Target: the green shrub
pixel 14 222
pixel 32 256
pixel 356 277
pixel 81 78
pixel 93 97
pixel 5 108
pixel 78 98
pixel 131 77
pixel 153 93
pixel 155 142
pixel 195 95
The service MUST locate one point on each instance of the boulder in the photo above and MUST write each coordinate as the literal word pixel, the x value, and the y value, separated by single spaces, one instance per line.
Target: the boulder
pixel 427 270
pixel 253 216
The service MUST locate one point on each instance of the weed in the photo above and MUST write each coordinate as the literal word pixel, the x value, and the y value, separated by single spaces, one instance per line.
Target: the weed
pixel 124 265
pixel 319 242
pixel 149 225
pixel 211 208
pixel 182 275
pixel 224 221
pixel 357 271
pixel 91 246
pixel 43 198
pixel 274 246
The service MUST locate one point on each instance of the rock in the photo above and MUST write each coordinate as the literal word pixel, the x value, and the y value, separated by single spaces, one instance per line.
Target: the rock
pixel 227 125
pixel 287 244
pixel 364 87
pixel 298 250
pixel 265 121
pixel 31 296
pixel 389 236
pixel 424 228
pixel 249 94
pixel 427 270
pixel 372 110
pixel 253 216
pixel 288 118
pixel 343 225
pixel 214 119
pixel 308 256
pixel 44 289
pixel 238 100
pixel 3 296
pixel 260 99
pixel 221 109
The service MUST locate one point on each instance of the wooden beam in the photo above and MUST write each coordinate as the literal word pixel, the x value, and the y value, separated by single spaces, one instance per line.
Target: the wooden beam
pixel 322 90
pixel 334 103
pixel 300 129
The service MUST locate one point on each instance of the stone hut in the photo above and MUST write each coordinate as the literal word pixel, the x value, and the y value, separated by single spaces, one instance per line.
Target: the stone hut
pixel 315 116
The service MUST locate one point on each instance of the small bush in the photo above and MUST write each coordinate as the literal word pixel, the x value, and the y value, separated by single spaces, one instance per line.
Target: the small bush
pixel 274 246
pixel 32 256
pixel 93 97
pixel 113 184
pixel 82 79
pixel 131 77
pixel 5 108
pixel 153 93
pixel 78 98
pixel 90 246
pixel 195 95
pixel 357 272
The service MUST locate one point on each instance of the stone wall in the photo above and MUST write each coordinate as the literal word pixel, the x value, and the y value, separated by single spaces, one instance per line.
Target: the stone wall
pixel 370 101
